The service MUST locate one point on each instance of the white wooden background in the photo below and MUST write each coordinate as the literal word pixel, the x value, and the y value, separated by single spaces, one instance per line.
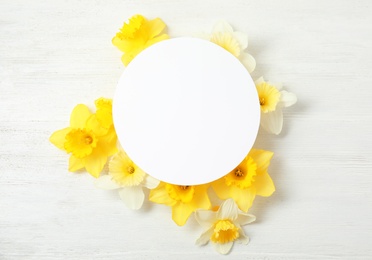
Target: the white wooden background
pixel 56 54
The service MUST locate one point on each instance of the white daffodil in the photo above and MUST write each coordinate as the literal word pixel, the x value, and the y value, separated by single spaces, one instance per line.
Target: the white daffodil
pixel 234 42
pixel 128 178
pixel 272 100
pixel 223 226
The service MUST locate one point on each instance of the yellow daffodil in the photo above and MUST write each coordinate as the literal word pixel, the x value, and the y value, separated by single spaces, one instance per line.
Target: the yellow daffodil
pixel 183 199
pixel 272 100
pixel 234 42
pixel 223 227
pixel 248 179
pixel 126 176
pixel 138 34
pixel 88 142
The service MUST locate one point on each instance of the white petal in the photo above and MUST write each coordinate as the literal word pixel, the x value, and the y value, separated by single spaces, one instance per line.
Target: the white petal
pixel 259 81
pixel 242 38
pixel 287 99
pixel 223 248
pixel 242 237
pixel 204 238
pixel 228 210
pixel 248 61
pixel 245 218
pixel 222 27
pixel 133 197
pixel 105 182
pixel 205 218
pixel 272 122
pixel 150 182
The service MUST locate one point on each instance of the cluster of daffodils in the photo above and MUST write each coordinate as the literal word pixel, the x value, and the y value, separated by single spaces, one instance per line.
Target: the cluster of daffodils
pixel 92 143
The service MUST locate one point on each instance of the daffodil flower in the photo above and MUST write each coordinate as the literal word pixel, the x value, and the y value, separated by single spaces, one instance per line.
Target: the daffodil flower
pixel 88 142
pixel 272 100
pixel 138 34
pixel 248 179
pixel 234 42
pixel 128 178
pixel 223 227
pixel 183 199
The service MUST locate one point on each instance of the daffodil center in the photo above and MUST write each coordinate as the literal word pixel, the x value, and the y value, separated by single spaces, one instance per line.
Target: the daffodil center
pixel 243 175
pixel 124 171
pixel 239 173
pixel 180 193
pixel 130 170
pixel 262 101
pixel 224 231
pixel 268 96
pixel 80 142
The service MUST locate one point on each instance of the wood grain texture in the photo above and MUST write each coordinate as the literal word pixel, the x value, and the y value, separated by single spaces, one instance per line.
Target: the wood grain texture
pixel 56 54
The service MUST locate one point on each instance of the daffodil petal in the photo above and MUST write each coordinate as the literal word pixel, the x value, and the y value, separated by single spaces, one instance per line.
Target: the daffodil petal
pixel 201 199
pixel 220 188
pixel 262 159
pixel 245 218
pixel 75 164
pixel 287 99
pixel 58 138
pixel 242 38
pixel 272 122
pixel 228 210
pixel 93 124
pixel 133 196
pixel 155 27
pixel 222 27
pixel 248 61
pixel 243 197
pixel 242 237
pixel 223 248
pixel 181 212
pixel 205 218
pixel 259 81
pixel 160 195
pixel 79 116
pixel 204 238
pixel 106 182
pixel 95 162
pixel 264 185
pixel 150 182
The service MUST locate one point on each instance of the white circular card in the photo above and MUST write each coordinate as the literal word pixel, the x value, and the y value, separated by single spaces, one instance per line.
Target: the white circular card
pixel 186 111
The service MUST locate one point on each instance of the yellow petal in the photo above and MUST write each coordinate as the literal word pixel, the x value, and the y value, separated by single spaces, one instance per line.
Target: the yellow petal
pixel 181 212
pixel 243 197
pixel 93 124
pixel 58 138
pixel 107 143
pixel 264 185
pixel 95 162
pixel 155 27
pixel 221 189
pixel 262 159
pixel 79 116
pixel 75 164
pixel 160 195
pixel 200 198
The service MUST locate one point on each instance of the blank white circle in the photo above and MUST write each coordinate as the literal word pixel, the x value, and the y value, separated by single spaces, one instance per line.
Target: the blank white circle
pixel 186 111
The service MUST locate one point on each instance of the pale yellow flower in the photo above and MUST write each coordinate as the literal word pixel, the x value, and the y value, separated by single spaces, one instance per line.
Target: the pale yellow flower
pixel 126 176
pixel 248 179
pixel 234 42
pixel 223 227
pixel 183 199
pixel 138 34
pixel 88 142
pixel 272 100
